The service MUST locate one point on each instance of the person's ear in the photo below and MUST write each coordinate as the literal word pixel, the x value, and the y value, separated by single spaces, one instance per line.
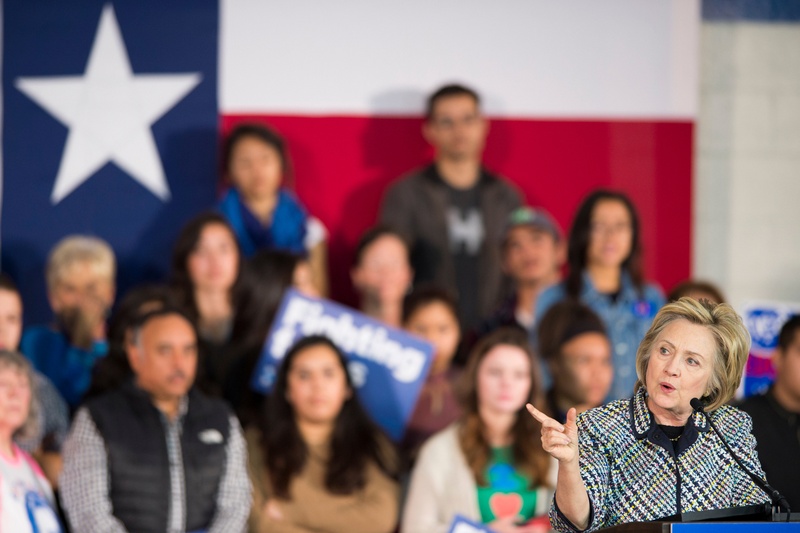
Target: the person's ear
pixel 504 263
pixel 777 361
pixel 428 132
pixel 485 125
pixel 355 277
pixel 52 299
pixel 561 252
pixel 134 355
pixel 112 293
pixel 554 366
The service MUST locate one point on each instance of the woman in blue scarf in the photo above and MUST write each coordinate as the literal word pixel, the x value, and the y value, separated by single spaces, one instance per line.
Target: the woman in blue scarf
pixel 262 212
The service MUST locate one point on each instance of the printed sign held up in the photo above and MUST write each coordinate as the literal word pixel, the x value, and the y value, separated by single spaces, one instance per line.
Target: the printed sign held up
pixel 461 524
pixel 764 321
pixel 387 365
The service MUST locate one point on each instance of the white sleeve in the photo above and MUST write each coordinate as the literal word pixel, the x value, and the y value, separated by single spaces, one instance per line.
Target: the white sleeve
pixel 235 493
pixel 315 233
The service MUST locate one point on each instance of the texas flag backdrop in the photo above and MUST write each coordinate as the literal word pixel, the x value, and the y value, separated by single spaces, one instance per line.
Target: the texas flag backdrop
pixel 113 111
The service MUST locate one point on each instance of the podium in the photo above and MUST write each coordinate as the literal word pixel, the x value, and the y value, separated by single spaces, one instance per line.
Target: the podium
pixel 747 519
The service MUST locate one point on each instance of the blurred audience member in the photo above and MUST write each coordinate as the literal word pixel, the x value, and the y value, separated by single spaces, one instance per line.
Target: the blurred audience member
pixel 80 286
pixel 52 417
pixel 776 416
pixel 382 274
pixel 533 253
pixel 113 370
pixel 431 313
pixel 319 464
pixel 489 466
pixel 574 344
pixel 698 290
pixel 267 277
pixel 605 274
pixel 260 208
pixel 454 210
pixel 206 278
pixel 155 455
pixel 26 499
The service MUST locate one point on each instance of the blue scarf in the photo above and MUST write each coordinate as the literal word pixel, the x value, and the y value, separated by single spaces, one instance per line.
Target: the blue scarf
pixel 287 231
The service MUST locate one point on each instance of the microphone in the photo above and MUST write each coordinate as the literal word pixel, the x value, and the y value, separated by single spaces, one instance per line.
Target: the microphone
pixel 776 497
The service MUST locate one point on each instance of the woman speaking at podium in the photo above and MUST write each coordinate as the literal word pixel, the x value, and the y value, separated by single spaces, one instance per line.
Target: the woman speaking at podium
pixel 654 455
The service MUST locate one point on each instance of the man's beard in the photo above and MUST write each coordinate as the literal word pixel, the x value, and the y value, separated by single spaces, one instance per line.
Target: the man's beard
pixel 77 326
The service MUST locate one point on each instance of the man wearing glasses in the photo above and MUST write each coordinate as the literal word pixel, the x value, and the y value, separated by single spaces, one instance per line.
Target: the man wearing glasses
pixel 453 211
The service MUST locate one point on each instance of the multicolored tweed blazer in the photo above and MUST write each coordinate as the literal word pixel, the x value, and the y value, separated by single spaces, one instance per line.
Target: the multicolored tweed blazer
pixel 633 474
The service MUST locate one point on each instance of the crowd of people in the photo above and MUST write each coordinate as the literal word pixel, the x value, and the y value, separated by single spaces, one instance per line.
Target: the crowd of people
pixel 139 415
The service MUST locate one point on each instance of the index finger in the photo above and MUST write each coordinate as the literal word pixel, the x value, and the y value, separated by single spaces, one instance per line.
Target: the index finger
pixel 545 420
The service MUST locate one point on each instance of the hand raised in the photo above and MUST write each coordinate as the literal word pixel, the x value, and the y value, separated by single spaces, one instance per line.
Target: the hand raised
pixel 559 440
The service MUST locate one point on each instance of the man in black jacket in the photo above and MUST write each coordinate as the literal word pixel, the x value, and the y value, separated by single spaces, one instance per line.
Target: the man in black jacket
pixel 156 455
pixel 776 416
pixel 453 212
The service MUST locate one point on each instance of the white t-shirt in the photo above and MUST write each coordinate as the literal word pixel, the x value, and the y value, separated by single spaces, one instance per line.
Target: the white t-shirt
pixel 26 499
pixel 315 232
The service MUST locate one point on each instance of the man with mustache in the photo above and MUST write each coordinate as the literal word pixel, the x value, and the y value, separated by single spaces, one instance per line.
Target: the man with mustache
pixel 156 454
pixel 80 287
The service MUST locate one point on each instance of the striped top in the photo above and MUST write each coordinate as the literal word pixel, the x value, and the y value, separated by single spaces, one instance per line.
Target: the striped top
pixel 633 473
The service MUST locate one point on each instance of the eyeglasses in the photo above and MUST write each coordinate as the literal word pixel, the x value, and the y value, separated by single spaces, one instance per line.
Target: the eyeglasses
pixel 447 123
pixel 598 228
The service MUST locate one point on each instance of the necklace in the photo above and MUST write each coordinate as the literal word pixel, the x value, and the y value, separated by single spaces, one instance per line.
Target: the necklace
pixel 676 438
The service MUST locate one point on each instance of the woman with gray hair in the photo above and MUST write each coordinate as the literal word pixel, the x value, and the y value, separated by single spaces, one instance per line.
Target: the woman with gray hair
pixel 655 455
pixel 26 499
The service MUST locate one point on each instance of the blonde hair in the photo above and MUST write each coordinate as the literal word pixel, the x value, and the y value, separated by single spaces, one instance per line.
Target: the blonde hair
pixel 730 336
pixel 80 249
pixel 16 361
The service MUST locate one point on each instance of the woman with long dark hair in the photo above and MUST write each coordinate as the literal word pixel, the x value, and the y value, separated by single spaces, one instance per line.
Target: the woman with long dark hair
pixel 319 464
pixel 267 276
pixel 489 466
pixel 605 274
pixel 206 280
pixel 432 313
pixel 382 274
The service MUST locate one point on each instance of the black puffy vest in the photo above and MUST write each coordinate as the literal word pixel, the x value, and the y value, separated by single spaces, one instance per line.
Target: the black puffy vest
pixel 138 460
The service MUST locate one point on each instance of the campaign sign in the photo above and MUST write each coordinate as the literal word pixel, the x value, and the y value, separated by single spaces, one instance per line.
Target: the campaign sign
pixel 387 365
pixel 465 525
pixel 764 321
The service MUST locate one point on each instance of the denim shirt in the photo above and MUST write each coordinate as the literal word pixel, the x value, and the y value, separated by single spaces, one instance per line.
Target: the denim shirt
pixel 627 320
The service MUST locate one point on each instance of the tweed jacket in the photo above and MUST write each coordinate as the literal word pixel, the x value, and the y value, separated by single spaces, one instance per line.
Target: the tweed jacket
pixel 633 474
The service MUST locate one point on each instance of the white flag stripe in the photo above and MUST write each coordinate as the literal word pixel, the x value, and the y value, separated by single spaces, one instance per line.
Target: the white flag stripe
pixel 528 58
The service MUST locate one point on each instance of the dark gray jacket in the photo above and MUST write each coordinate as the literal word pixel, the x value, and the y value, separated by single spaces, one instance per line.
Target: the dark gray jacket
pixel 416 205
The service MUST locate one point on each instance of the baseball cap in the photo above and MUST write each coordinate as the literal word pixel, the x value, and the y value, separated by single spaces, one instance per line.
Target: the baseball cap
pixel 534 217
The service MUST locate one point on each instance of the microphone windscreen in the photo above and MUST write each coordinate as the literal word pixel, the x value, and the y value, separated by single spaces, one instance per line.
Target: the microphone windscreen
pixel 697 405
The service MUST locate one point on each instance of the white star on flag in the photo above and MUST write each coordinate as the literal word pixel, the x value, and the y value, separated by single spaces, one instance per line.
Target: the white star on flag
pixel 109 111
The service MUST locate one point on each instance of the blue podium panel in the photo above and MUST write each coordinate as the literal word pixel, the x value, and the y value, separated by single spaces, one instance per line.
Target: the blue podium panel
pixel 736 527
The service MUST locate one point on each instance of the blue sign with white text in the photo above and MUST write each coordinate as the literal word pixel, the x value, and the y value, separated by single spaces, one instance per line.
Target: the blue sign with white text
pixel 388 366
pixel 464 525
pixel 764 321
